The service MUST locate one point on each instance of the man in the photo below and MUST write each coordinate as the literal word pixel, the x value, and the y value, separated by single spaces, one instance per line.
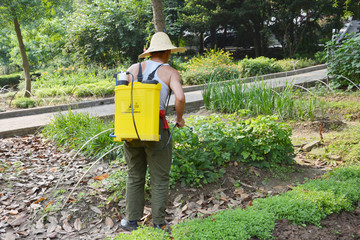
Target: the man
pixel 136 155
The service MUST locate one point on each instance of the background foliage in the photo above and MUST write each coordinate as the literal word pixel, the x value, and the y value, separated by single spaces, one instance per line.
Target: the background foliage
pixel 344 61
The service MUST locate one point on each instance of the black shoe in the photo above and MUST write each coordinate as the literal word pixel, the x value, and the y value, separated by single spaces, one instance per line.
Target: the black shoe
pixel 128 225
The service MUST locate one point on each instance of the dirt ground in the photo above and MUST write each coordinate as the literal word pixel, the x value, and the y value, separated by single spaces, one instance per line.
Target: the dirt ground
pixel 31 168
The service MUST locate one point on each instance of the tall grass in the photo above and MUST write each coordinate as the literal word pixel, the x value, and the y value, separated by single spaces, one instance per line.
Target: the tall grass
pixel 260 98
pixel 72 130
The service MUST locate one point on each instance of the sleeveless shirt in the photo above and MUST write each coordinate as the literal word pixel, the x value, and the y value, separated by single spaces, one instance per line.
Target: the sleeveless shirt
pixel 164 92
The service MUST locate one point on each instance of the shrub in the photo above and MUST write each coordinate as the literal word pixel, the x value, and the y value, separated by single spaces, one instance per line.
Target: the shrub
pixel 215 64
pixel 259 66
pixel 320 57
pixel 199 155
pixel 10 80
pixel 99 89
pixel 221 72
pixel 288 64
pixel 24 102
pixel 343 61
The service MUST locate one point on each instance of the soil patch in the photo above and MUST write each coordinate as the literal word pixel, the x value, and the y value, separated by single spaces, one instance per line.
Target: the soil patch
pixel 342 226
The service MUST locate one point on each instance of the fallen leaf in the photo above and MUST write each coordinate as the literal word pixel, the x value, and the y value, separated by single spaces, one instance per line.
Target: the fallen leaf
pixel 39 200
pixel 51 202
pixel 52 227
pixel 2 169
pixel 23 233
pixel 109 222
pixel 95 209
pixel 51 235
pixel 71 199
pixel 19 220
pixel 13 212
pixel 67 226
pixel 39 224
pixel 77 224
pixel 101 177
pixel 10 236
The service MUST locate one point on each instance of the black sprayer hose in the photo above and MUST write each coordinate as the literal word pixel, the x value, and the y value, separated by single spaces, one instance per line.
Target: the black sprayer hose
pixel 133 118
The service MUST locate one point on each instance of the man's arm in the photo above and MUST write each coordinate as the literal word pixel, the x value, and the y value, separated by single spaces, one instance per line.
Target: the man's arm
pixel 175 85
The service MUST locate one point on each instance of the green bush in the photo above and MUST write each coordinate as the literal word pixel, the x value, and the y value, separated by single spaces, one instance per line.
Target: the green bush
pixel 24 102
pixel 221 72
pixel 259 66
pixel 199 155
pixel 343 61
pixel 320 57
pixel 10 80
pixel 53 92
pixel 288 63
pixel 215 65
pixel 99 89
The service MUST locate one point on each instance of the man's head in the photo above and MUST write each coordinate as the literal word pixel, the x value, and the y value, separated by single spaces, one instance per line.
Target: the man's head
pixel 159 43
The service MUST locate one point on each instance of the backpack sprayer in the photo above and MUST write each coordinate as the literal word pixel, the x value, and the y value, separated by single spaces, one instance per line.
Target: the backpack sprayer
pixel 140 100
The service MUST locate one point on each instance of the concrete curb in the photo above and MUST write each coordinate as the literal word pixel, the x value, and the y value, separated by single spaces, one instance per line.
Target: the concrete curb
pixel 58 108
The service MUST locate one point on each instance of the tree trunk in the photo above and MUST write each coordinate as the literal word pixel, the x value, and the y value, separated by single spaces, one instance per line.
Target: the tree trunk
pixel 158 14
pixel 25 61
pixel 201 47
pixel 257 43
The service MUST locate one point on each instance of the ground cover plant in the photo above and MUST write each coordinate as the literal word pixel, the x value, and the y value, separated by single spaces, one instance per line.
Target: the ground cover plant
pixel 306 203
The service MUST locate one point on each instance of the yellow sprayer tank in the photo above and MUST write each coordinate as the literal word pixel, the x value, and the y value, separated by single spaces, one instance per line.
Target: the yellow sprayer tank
pixel 146 105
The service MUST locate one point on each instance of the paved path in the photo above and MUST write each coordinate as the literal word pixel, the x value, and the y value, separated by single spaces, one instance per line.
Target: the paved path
pixel 29 121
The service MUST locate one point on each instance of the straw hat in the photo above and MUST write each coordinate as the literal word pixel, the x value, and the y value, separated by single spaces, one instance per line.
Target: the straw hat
pixel 161 42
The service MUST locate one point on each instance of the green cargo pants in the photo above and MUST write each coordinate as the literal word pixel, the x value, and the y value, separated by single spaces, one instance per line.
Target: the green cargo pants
pixel 137 158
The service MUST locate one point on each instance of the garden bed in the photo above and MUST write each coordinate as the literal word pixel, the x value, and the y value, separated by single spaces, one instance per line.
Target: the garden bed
pixel 33 166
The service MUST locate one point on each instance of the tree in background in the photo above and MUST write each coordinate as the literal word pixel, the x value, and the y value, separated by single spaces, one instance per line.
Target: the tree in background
pixel 349 7
pixel 252 16
pixel 4 49
pixel 158 16
pixel 19 12
pixel 203 17
pixel 295 23
pixel 107 32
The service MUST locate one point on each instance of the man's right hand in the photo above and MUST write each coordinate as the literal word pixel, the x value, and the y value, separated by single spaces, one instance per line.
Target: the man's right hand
pixel 180 122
